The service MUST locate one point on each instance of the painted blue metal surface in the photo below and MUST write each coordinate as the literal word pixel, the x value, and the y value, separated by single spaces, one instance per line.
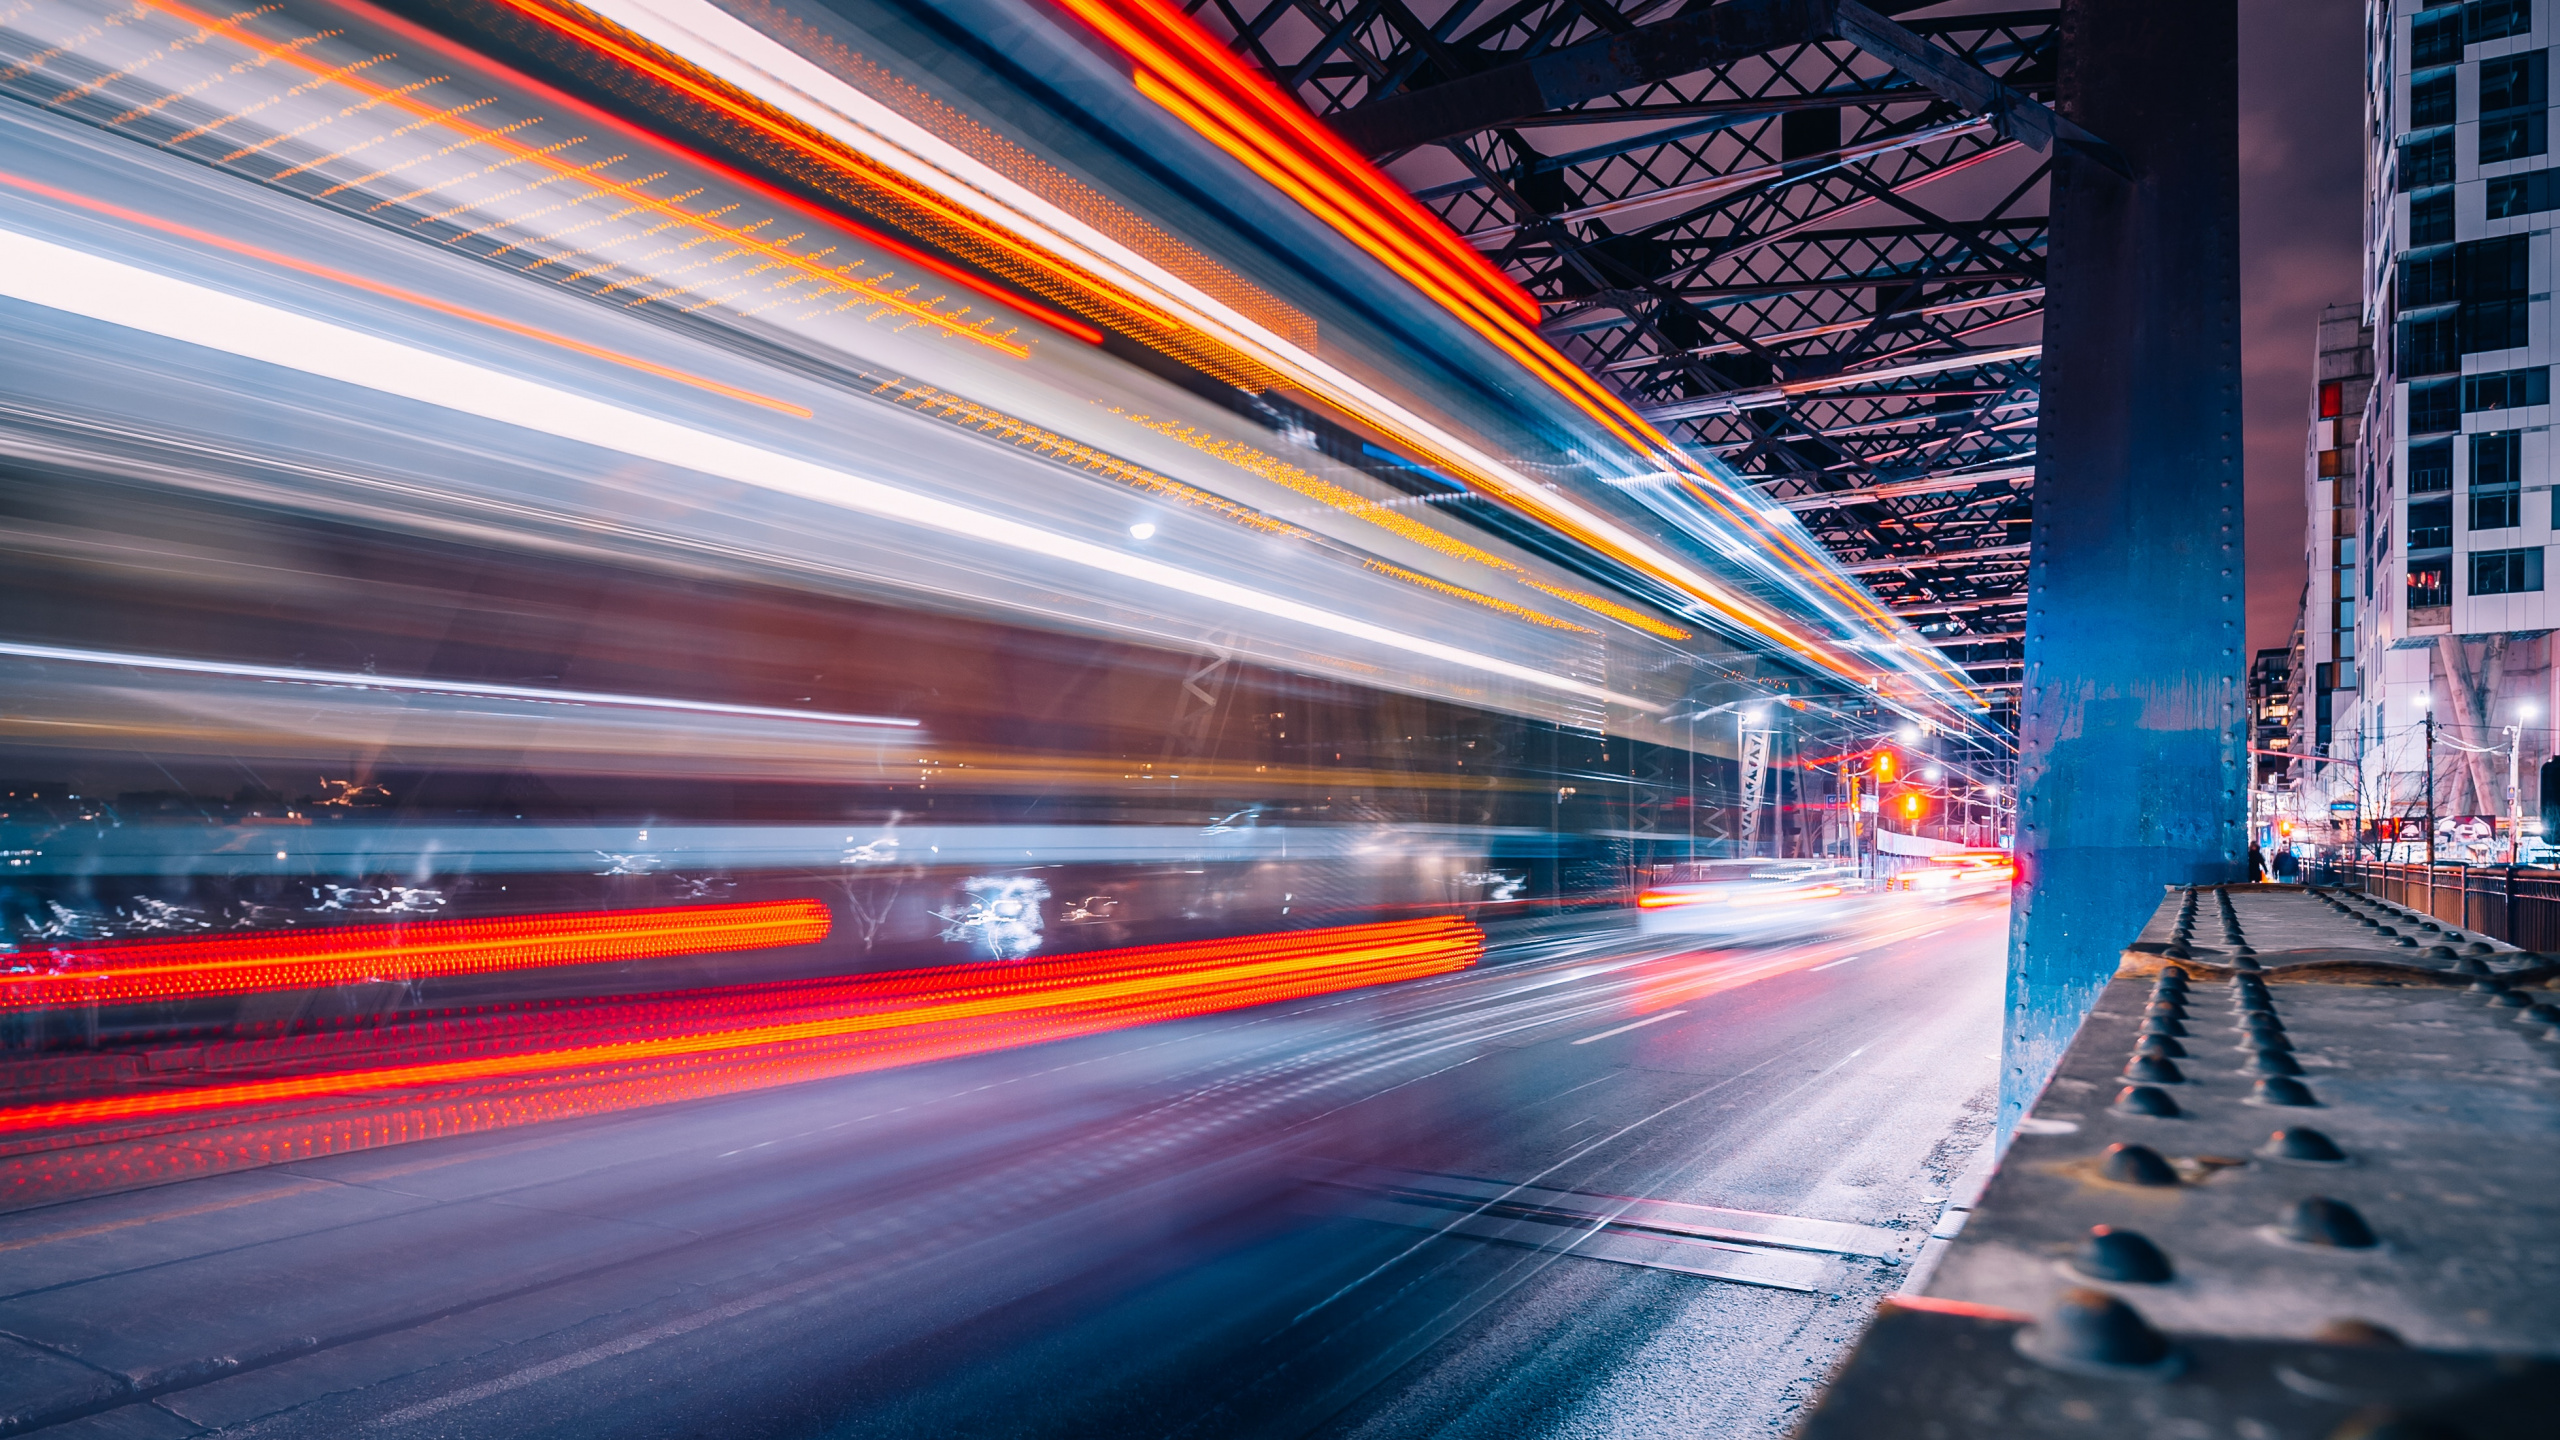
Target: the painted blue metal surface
pixel 2132 740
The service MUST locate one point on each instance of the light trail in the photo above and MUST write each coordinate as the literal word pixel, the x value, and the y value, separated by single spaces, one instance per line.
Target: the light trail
pixel 356 680
pixel 729 52
pixel 1183 69
pixel 661 1049
pixel 77 282
pixel 147 971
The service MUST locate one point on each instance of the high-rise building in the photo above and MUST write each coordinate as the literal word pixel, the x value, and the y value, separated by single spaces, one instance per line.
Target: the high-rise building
pixel 2271 712
pixel 2324 665
pixel 2441 522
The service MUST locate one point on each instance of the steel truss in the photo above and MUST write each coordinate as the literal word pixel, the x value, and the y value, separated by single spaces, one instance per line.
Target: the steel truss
pixel 1819 259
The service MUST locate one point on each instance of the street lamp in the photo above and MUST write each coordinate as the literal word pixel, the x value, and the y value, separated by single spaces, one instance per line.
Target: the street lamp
pixel 2429 715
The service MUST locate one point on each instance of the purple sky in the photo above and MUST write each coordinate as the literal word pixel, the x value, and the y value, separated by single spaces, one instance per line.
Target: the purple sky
pixel 2301 177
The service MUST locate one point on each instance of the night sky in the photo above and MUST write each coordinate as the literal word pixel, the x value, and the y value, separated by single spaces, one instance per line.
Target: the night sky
pixel 2301 178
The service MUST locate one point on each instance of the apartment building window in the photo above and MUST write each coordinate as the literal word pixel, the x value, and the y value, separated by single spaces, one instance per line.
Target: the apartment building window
pixel 2496 19
pixel 2431 344
pixel 2514 113
pixel 2503 389
pixel 2435 37
pixel 2513 195
pixel 2435 405
pixel 2500 509
pixel 2491 276
pixel 2426 161
pixel 2506 572
pixel 2429 586
pixel 2431 219
pixel 2431 100
pixel 2333 399
pixel 2433 278
pixel 2430 525
pixel 2497 458
pixel 2430 466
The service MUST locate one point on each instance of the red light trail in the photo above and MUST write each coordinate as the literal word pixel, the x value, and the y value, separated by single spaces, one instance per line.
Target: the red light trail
pixel 139 972
pixel 456 1074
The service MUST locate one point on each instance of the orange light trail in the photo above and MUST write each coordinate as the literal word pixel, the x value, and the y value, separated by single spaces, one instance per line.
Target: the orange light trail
pixel 142 972
pixel 692 1047
pixel 1183 68
pixel 763 123
pixel 497 139
pixel 737 179
pixel 394 292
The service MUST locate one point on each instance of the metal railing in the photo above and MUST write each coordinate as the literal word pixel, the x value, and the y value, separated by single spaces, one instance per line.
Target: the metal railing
pixel 2515 903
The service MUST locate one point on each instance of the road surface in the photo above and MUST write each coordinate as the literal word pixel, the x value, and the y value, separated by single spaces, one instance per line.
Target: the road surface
pixel 1600 1185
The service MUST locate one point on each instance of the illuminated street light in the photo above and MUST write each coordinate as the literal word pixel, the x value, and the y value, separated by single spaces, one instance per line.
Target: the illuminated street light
pixel 1143 530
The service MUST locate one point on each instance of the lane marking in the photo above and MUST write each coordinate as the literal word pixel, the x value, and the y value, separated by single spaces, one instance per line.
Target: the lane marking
pixel 1623 1029
pixel 535 1374
pixel 111 1226
pixel 1843 960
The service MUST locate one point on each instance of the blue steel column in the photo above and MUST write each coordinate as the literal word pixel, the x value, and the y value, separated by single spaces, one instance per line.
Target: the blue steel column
pixel 2132 748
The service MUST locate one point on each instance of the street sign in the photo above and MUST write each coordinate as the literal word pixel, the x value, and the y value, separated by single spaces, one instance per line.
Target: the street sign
pixel 2342 807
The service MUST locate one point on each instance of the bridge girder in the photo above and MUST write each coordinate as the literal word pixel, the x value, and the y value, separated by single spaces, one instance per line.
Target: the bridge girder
pixel 1822 267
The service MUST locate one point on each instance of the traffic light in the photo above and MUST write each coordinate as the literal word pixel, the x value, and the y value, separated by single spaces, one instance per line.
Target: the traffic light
pixel 1911 804
pixel 1885 768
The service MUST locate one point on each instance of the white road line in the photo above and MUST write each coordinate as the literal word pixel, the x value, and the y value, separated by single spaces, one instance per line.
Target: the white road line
pixel 639 1340
pixel 1623 1029
pixel 1843 960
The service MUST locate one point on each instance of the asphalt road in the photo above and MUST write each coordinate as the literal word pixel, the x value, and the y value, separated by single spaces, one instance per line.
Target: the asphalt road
pixel 1598 1186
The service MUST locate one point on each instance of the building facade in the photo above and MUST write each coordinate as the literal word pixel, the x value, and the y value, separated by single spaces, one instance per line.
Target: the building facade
pixel 2439 521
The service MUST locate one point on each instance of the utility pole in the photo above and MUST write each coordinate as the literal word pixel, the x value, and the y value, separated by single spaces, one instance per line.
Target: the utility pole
pixel 2431 788
pixel 2515 816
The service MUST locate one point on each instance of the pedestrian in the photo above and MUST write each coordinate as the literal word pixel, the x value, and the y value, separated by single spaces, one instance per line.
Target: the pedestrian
pixel 2288 867
pixel 2257 864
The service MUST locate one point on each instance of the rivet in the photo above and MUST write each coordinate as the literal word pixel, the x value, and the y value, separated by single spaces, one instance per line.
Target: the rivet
pixel 2255 1000
pixel 2246 959
pixel 2266 1040
pixel 2273 1062
pixel 2284 1090
pixel 2136 1165
pixel 2480 947
pixel 2469 965
pixel 2541 1015
pixel 2166 1009
pixel 2163 1025
pixel 2438 952
pixel 2303 1145
pixel 2176 951
pixel 2323 1221
pixel 2172 972
pixel 2146 1100
pixel 2350 1331
pixel 2121 1256
pixel 2488 985
pixel 2153 1070
pixel 2511 1000
pixel 2092 1330
pixel 2160 1045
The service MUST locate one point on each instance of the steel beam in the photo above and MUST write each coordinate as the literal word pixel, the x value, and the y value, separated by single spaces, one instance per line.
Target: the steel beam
pixel 2132 770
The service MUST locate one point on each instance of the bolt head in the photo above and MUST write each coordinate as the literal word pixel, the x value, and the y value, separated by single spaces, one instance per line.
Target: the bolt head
pixel 2146 1100
pixel 2154 1070
pixel 2304 1146
pixel 2136 1165
pixel 2121 1256
pixel 2326 1222
pixel 2283 1090
pixel 2090 1330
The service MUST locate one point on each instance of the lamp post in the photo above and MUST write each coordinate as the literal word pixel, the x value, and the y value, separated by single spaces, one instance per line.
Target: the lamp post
pixel 2429 719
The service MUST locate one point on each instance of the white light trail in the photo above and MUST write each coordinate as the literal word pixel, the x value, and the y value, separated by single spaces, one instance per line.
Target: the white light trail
pixel 351 679
pixel 57 277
